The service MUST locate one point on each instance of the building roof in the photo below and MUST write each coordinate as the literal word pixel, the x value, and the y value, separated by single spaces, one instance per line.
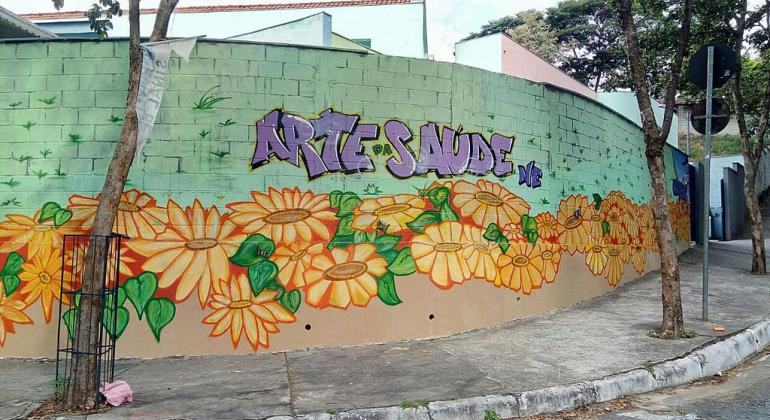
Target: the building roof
pixel 238 8
pixel 14 26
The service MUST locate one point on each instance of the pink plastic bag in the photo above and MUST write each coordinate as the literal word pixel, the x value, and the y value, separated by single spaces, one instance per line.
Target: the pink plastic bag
pixel 117 393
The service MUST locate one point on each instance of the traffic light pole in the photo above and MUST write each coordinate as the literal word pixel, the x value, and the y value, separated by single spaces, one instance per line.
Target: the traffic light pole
pixel 707 180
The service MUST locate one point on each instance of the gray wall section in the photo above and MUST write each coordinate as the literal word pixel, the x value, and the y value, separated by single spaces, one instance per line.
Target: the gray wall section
pixel 733 202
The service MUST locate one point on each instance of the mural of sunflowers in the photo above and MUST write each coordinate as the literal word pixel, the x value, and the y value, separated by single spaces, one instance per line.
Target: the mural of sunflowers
pixel 251 264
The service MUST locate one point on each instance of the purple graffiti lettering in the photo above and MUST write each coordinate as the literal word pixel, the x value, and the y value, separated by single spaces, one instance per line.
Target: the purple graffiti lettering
pixel 530 175
pixel 431 153
pixel 353 156
pixel 399 135
pixel 333 125
pixel 268 141
pixel 481 160
pixel 297 133
pixel 501 146
pixel 458 160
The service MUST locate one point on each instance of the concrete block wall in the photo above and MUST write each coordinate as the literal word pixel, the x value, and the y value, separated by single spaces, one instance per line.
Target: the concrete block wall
pixel 61 110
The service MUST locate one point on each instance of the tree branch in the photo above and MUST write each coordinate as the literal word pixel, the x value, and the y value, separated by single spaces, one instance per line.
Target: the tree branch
pixel 162 17
pixel 673 82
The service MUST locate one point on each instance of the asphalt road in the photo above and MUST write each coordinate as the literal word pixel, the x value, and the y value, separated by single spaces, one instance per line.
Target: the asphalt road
pixel 743 393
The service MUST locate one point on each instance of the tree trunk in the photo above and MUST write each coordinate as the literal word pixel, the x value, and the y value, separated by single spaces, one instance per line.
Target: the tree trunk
pixel 758 256
pixel 673 321
pixel 82 385
pixel 655 139
pixel 161 20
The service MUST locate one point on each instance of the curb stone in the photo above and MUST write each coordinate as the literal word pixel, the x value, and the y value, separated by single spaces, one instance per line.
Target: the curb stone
pixel 703 362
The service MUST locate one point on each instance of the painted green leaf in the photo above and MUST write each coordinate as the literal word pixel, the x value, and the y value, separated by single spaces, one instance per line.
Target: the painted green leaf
pixel 261 274
pixel 389 255
pixel 529 228
pixel 252 249
pixel 426 218
pixel 597 201
pixel 70 318
pixel 361 237
pixel 605 227
pixel 492 233
pixel 291 300
pixel 447 214
pixel 532 237
pixel 12 264
pixel 344 227
pixel 140 289
pixel 48 210
pixel 386 290
pixel 10 283
pixel 115 327
pixel 160 312
pixel 344 202
pixel 437 195
pixel 502 241
pixel 121 298
pixel 61 217
pixel 403 264
pixel 386 242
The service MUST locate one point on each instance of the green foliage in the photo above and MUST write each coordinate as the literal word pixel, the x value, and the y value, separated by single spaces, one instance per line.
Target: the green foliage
pixel 75 138
pixel 100 15
pixel 262 273
pixel 11 202
pixel 291 300
pixel 228 122
pixel 529 228
pixel 491 415
pixel 10 272
pixel 159 312
pixel 207 101
pixel 494 234
pixel 255 248
pixel 414 403
pixel 48 101
pixel 139 290
pixel 45 153
pixel 386 290
pixel 372 189
pixel 52 210
pixel 15 104
pixel 29 125
pixel 204 133
pixel 11 183
pixel 722 145
pixel 40 174
pixel 115 119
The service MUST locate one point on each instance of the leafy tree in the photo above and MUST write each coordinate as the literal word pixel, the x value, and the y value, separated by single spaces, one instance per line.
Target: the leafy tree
pixel 751 97
pixel 534 34
pixel 81 388
pixel 530 30
pixel 589 32
pixel 655 136
pixel 496 26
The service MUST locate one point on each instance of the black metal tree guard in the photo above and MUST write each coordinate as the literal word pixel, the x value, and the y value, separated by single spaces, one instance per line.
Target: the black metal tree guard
pixel 74 252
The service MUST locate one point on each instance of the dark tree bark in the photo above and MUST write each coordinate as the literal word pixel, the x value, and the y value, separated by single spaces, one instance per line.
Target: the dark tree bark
pixel 672 325
pixel 751 154
pixel 82 386
pixel 162 18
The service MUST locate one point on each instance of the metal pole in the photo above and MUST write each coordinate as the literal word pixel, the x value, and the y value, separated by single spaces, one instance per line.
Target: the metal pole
pixel 706 181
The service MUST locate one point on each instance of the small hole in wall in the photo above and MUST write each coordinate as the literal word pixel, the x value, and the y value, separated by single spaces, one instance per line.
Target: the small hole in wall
pixel 518 298
pixel 308 327
pixel 431 316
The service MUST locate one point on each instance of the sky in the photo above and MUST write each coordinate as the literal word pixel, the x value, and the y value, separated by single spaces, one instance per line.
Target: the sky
pixel 448 20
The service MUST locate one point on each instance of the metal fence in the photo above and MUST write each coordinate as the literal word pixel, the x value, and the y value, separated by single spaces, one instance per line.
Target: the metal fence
pixel 71 354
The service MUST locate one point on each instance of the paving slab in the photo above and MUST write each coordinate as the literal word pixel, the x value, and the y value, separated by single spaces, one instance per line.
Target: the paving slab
pixel 583 342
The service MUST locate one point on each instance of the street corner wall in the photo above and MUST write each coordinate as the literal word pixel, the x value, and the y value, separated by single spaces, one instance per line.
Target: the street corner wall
pixel 296 197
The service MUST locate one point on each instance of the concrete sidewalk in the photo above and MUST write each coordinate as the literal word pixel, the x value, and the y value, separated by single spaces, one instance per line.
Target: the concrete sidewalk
pixel 599 337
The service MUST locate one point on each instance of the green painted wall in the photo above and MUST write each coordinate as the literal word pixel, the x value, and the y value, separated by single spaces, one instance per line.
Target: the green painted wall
pixel 61 109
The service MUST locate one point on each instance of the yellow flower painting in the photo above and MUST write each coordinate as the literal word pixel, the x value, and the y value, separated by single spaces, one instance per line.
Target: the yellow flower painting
pixel 238 311
pixel 42 278
pixel 138 214
pixel 439 253
pixel 391 212
pixel 487 202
